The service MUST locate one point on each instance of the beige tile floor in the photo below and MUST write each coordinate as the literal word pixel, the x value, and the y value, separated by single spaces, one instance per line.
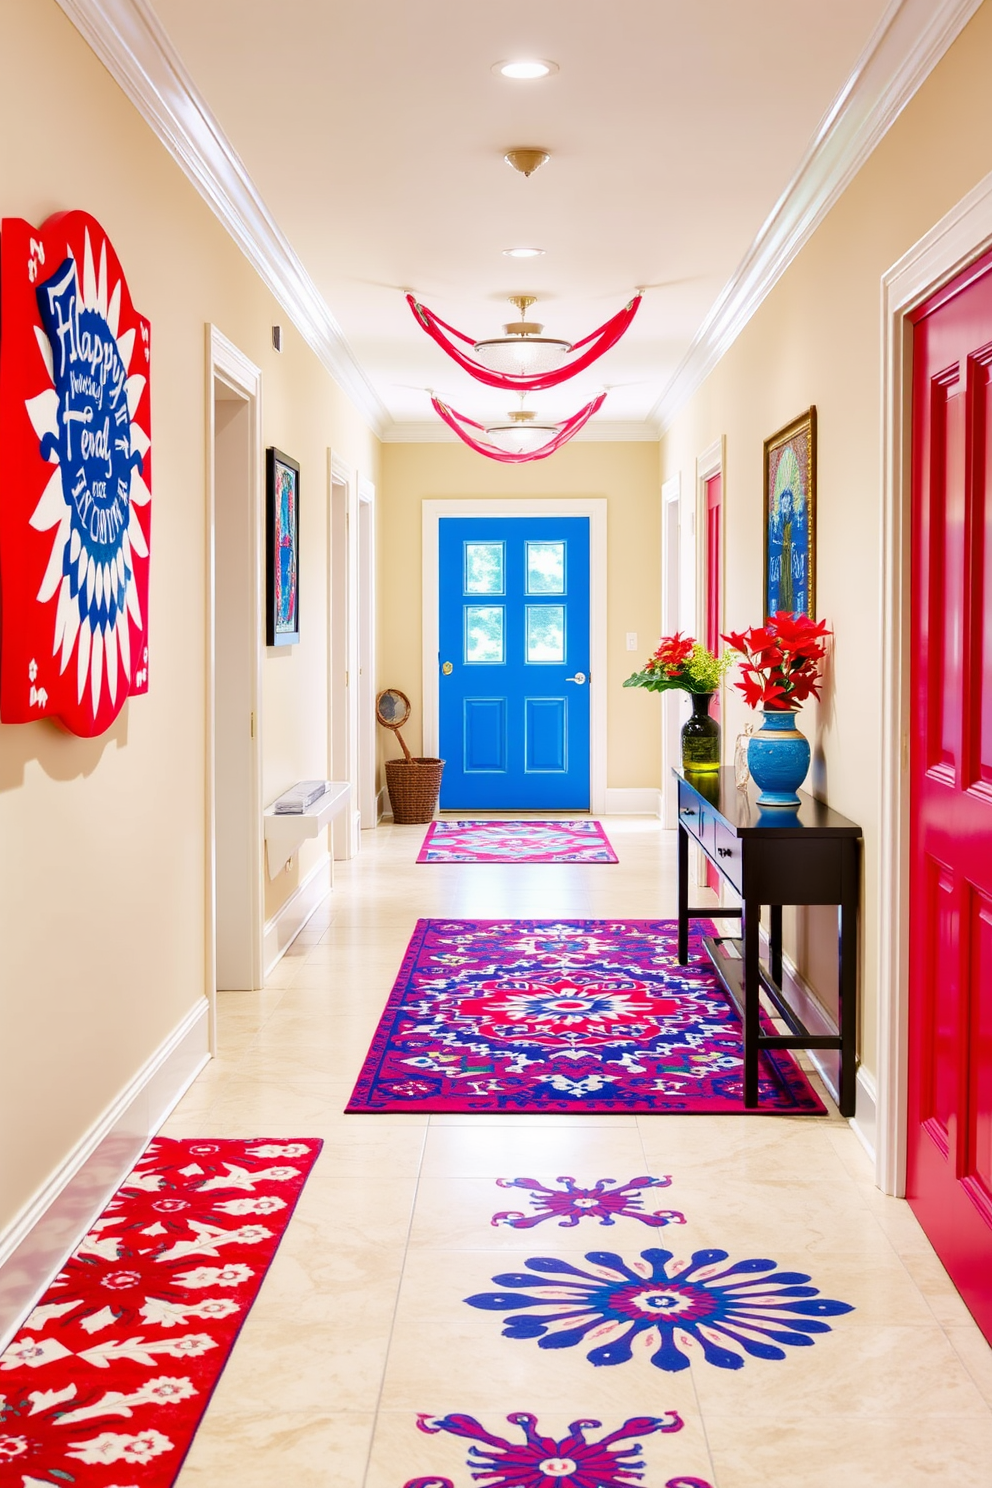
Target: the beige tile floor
pixel 361 1324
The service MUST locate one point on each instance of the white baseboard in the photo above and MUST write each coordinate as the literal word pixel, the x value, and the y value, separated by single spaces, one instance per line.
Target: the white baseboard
pixel 864 1122
pixel 633 801
pixel 286 924
pixel 36 1243
pixel 382 806
pixel 620 801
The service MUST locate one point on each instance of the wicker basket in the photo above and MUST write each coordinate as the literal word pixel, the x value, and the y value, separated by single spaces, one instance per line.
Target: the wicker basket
pixel 414 786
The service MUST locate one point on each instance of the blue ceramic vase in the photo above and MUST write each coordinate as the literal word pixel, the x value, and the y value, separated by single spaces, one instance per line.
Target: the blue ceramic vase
pixel 778 758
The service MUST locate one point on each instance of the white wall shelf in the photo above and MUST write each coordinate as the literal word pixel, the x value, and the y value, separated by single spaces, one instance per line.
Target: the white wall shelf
pixel 285 834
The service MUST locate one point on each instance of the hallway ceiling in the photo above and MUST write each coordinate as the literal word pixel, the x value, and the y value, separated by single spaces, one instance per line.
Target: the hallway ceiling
pixel 375 132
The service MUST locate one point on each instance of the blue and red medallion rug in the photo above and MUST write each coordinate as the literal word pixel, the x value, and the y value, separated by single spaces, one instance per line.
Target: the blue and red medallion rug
pixel 517 842
pixel 564 1015
pixel 108 1379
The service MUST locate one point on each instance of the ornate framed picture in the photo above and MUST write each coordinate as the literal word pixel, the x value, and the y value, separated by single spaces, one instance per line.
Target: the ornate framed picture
pixel 282 549
pixel 790 518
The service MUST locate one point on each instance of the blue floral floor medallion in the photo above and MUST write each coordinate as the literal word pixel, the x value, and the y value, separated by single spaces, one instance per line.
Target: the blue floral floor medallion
pixel 542 1460
pixel 724 1309
pixel 569 1204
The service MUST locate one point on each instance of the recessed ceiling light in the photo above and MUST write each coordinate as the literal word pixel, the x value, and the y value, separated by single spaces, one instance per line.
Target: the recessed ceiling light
pixel 523 252
pixel 525 68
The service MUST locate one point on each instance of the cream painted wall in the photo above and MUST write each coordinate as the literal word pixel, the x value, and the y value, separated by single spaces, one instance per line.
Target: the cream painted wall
pixel 627 475
pixel 103 841
pixel 816 339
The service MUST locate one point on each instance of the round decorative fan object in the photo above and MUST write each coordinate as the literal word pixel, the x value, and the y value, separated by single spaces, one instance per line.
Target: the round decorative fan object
pixel 392 710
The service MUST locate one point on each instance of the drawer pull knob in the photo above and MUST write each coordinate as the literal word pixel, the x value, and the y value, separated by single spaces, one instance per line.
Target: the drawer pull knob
pixel 688 811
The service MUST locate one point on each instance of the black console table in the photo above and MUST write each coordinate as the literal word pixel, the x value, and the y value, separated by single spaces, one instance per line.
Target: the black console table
pixel 810 855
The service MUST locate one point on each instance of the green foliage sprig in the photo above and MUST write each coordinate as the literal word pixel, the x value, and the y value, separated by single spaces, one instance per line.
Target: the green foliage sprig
pixel 682 662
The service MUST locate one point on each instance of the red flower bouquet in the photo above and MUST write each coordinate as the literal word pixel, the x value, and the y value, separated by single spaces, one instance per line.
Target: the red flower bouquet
pixel 780 661
pixel 680 661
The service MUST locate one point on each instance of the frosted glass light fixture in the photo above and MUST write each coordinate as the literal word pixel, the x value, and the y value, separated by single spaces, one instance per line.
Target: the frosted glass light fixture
pixel 520 435
pixel 522 350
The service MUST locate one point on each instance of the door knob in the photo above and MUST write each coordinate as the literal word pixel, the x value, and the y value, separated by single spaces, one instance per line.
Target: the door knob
pixel 579 677
pixel 447 669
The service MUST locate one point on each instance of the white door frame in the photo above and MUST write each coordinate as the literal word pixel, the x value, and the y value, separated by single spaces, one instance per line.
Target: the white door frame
pixel 671 620
pixel 342 735
pixel 364 697
pixel 357 565
pixel 593 507
pixel 225 363
pixel 958 238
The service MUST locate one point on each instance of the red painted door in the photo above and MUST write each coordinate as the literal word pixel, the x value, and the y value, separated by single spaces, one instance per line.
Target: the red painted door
pixel 714 515
pixel 949 1180
pixel 714 503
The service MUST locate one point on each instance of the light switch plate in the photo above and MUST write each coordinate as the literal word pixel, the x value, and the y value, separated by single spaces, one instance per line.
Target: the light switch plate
pixel 632 640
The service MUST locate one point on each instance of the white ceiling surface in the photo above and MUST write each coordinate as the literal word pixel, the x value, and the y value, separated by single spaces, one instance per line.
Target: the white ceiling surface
pixel 374 133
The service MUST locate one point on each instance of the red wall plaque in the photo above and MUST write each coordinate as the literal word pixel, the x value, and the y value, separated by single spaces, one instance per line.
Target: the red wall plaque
pixel 75 477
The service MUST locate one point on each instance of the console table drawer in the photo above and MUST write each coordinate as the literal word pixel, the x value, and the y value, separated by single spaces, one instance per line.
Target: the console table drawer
pixel 696 820
pixel 726 853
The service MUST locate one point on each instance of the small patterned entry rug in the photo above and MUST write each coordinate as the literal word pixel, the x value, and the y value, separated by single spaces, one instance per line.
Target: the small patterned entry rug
pixel 563 1015
pixel 516 842
pixel 107 1381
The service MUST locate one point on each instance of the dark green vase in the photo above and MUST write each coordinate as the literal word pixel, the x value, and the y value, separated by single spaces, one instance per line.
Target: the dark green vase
pixel 700 737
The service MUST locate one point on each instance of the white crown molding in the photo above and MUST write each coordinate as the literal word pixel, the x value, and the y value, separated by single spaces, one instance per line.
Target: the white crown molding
pixel 908 42
pixel 137 53
pixel 433 431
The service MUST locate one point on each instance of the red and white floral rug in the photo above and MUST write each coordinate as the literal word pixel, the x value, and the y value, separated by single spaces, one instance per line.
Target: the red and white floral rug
pixel 107 1381
pixel 582 841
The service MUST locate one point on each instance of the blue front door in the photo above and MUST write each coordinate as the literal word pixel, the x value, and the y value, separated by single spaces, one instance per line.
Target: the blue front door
pixel 514 663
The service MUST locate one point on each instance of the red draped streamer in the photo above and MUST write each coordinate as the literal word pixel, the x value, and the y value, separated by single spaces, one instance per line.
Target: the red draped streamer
pixel 462 425
pixel 598 343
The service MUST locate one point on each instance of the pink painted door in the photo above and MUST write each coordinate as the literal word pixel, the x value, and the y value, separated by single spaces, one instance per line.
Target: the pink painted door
pixel 714 619
pixel 949 1181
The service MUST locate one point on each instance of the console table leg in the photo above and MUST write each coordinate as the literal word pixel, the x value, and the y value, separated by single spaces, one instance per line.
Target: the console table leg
pixel 683 896
pixel 752 1018
pixel 775 943
pixel 848 988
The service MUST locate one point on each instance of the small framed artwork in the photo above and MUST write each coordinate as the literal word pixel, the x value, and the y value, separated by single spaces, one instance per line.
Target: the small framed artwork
pixel 790 518
pixel 282 549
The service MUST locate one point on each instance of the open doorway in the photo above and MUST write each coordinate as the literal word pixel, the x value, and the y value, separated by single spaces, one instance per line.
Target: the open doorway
pixel 351 617
pixel 234 932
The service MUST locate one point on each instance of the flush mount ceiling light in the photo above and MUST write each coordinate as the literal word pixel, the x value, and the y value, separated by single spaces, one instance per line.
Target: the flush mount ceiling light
pixel 525 69
pixel 522 358
pixel 527 159
pixel 518 440
pixel 522 351
pixel 522 252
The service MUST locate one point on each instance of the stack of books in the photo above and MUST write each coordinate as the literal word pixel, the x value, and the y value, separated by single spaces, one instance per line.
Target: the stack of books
pixel 302 796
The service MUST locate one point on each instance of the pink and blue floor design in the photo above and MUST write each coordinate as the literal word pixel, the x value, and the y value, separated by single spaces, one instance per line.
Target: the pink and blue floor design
pixel 606 1201
pixel 610 1462
pixel 580 841
pixel 661 1307
pixel 592 1016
